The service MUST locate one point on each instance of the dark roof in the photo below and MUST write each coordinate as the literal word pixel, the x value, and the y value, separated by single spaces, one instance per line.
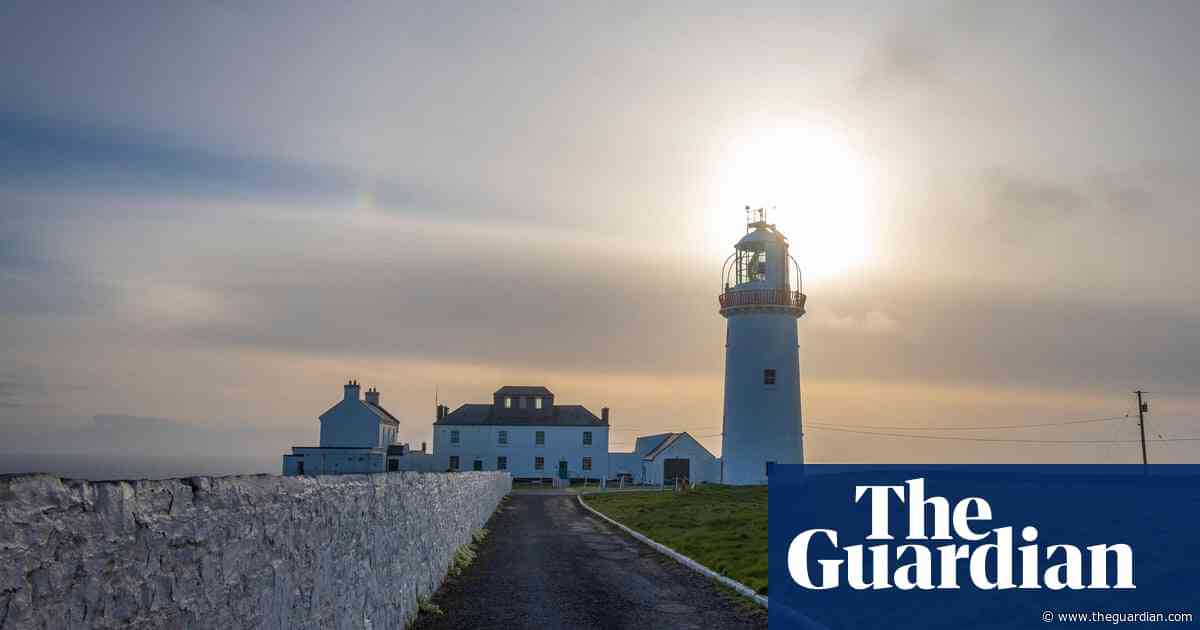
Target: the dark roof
pixel 523 390
pixel 382 413
pixel 672 440
pixel 562 416
pixel 662 438
pixel 662 446
pixel 338 448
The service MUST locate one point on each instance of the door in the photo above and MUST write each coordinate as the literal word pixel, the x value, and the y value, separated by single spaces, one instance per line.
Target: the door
pixel 478 465
pixel 676 469
pixel 562 469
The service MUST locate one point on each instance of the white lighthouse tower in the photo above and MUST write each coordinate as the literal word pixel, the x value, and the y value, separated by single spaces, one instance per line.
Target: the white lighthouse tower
pixel 761 299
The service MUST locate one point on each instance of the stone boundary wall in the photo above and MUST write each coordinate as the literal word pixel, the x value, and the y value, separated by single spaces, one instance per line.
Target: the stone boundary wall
pixel 351 551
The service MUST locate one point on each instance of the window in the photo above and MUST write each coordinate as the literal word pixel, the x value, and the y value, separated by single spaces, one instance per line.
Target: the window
pixel 508 402
pixel 537 402
pixel 751 265
pixel 539 438
pixel 502 463
pixel 502 437
pixel 521 402
pixel 587 438
pixel 587 463
pixel 454 462
pixel 539 463
pixel 769 376
pixel 454 437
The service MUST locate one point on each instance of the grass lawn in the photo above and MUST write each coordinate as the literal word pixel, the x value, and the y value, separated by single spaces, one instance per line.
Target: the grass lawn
pixel 721 527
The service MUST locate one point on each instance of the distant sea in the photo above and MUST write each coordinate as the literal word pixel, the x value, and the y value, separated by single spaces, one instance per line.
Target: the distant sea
pixel 100 467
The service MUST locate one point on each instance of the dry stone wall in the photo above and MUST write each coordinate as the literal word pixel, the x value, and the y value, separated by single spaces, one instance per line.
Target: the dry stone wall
pixel 353 551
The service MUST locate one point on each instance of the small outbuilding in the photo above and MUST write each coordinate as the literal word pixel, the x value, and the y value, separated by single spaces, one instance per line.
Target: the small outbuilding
pixel 665 457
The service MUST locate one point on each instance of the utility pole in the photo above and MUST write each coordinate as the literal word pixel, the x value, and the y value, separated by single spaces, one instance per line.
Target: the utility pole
pixel 1142 428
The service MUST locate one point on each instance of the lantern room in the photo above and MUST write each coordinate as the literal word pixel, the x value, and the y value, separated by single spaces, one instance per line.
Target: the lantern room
pixel 761 272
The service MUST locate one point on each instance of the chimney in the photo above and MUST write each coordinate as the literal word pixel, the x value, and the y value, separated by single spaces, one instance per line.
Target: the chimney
pixel 351 388
pixel 422 447
pixel 442 410
pixel 604 415
pixel 373 396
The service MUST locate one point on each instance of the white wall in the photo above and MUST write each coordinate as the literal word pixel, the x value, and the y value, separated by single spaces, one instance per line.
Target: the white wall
pixel 762 422
pixel 625 463
pixel 480 442
pixel 326 461
pixel 702 466
pixel 353 551
pixel 350 424
pixel 417 461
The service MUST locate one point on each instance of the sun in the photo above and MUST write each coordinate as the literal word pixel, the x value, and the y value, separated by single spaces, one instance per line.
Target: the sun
pixel 814 185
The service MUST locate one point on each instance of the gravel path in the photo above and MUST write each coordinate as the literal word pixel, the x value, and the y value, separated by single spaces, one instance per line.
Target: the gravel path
pixel 547 563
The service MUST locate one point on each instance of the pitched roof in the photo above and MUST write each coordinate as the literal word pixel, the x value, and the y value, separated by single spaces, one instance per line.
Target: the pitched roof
pixel 651 440
pixel 379 412
pixel 523 390
pixel 672 439
pixel 662 446
pixel 383 414
pixel 561 416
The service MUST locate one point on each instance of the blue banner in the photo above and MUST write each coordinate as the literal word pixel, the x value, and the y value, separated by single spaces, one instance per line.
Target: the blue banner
pixel 996 546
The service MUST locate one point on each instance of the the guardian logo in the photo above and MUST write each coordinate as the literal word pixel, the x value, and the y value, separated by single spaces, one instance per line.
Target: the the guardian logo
pixel 990 564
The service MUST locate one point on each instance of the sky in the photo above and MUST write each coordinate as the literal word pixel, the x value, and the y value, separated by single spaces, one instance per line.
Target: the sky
pixel 212 216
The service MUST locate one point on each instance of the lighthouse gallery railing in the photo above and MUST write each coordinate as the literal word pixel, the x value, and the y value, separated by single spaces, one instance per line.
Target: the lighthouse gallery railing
pixel 762 297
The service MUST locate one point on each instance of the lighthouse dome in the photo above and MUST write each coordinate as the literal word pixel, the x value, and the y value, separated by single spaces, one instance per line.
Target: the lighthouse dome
pixel 761 234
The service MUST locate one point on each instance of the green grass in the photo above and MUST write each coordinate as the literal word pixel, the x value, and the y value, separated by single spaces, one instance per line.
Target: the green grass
pixel 465 554
pixel 722 527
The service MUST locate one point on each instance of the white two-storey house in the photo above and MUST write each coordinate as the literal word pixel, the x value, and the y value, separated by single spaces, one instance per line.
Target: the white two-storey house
pixel 524 432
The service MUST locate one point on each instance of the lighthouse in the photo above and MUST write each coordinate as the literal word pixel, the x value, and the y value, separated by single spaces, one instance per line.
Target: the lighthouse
pixel 761 300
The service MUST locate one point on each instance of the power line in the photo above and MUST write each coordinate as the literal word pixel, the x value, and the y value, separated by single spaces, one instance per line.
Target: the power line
pixel 962 428
pixel 1186 438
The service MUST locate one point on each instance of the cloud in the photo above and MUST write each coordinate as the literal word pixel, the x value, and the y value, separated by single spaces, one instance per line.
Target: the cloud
pixel 905 59
pixel 9 392
pixel 1032 200
pixel 125 435
pixel 472 194
pixel 871 322
pixel 41 153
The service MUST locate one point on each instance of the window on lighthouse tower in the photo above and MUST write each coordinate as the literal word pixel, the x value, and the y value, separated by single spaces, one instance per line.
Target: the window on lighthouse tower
pixel 769 376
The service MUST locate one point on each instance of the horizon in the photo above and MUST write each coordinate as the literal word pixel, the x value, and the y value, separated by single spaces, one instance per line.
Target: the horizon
pixel 215 215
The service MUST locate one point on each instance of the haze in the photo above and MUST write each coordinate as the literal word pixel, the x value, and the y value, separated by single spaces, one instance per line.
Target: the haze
pixel 212 216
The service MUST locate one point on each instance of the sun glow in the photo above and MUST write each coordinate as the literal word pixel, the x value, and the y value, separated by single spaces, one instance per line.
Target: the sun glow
pixel 815 187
